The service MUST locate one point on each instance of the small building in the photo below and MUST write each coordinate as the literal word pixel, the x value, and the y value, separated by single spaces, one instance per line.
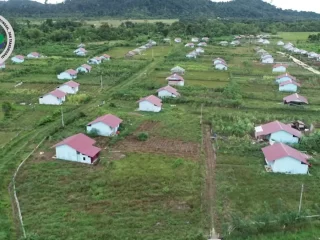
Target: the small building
pixel 280 43
pixel 285 77
pixel 277 132
pixel 95 60
pixel 221 66
pixel 81 45
pixel 194 39
pixel 295 99
pixel 284 159
pixel 191 45
pixel 77 148
pixel 192 54
pixel 199 50
pixel 267 60
pixel 105 57
pixel 130 54
pixel 262 51
pixel 167 40
pixel 206 39
pixel 85 68
pixel 235 43
pixel 260 40
pixel 17 59
pixel 70 87
pixel 106 125
pixel 55 97
pixel 279 68
pixel 312 55
pixel 2 65
pixel 33 55
pixel 67 75
pixel 150 104
pixel 266 42
pixel 224 43
pixel 178 40
pixel 289 86
pixel 303 52
pixel 153 43
pixel 202 44
pixel 80 52
pixel 175 80
pixel 178 70
pixel 168 91
pixel 218 60
pixel 265 55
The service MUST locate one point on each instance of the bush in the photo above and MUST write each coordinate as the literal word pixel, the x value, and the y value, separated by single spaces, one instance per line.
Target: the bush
pixel 143 136
pixel 43 121
pixel 93 133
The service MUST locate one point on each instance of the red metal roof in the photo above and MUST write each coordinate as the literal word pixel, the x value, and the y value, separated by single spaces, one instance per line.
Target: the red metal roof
pixel 35 54
pixel 221 59
pixel 152 99
pixel 81 143
pixel 19 57
pixel 108 119
pixel 88 67
pixel 170 90
pixel 280 65
pixel 280 150
pixel 175 77
pixel 106 55
pixel 82 50
pixel 290 82
pixel 295 98
pixel 286 75
pixel 71 72
pixel 72 84
pixel 277 126
pixel 57 93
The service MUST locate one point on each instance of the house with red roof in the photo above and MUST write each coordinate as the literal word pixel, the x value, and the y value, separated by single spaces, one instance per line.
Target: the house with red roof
pixel 218 60
pixel 85 68
pixel 191 45
pixel 80 52
pixel 267 59
pixel 70 87
pixel 56 97
pixel 277 132
pixel 17 59
pixel 295 99
pixel 33 55
pixel 68 75
pixel 202 44
pixel 105 57
pixel 284 159
pixel 194 39
pixel 289 86
pixel 95 60
pixel 221 66
pixel 150 104
pixel 2 65
pixel 279 68
pixel 285 77
pixel 175 79
pixel 168 91
pixel 106 125
pixel 77 148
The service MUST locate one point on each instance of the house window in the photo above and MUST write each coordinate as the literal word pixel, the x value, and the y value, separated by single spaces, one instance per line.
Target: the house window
pixel 84 158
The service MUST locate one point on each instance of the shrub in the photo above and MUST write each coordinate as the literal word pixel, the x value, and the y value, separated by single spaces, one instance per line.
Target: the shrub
pixel 93 133
pixel 43 121
pixel 143 136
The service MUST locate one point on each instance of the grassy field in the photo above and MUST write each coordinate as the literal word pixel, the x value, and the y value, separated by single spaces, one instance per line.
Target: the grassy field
pixel 154 189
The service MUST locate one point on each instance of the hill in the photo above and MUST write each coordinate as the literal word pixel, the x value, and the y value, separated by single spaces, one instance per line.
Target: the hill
pixel 256 9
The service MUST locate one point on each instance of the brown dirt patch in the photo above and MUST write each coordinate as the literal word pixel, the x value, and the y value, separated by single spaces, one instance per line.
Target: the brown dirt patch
pixel 148 126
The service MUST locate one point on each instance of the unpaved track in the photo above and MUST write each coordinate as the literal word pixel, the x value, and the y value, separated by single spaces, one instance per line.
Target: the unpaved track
pixel 210 177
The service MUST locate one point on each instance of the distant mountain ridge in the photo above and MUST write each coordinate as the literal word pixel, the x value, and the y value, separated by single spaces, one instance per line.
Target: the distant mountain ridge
pixel 253 9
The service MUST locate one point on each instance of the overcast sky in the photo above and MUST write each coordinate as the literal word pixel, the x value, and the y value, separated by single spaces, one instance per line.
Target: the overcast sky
pixel 300 5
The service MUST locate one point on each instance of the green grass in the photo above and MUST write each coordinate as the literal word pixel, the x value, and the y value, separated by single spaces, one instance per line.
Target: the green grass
pixel 295 36
pixel 140 197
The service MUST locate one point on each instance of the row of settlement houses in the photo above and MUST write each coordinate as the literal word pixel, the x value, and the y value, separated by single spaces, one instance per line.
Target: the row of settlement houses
pixel 154 104
pixel 80 147
pixel 194 41
pixel 139 50
pixel 290 48
pixel 20 59
pixel 265 57
pixel 279 156
pixel 195 53
pixel 220 64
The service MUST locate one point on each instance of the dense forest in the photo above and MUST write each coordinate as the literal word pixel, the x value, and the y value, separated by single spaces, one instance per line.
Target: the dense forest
pixel 249 9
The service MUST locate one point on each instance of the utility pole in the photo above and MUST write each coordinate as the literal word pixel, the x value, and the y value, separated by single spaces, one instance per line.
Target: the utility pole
pixel 300 204
pixel 62 120
pixel 101 81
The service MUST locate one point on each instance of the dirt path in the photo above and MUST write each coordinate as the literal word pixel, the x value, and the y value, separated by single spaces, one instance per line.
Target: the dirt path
pixel 210 177
pixel 302 64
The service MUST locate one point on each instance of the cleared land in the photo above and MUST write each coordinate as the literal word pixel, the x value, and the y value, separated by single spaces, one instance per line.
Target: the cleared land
pixel 154 189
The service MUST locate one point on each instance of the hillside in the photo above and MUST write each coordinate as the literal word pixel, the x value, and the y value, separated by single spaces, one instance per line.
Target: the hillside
pixel 153 9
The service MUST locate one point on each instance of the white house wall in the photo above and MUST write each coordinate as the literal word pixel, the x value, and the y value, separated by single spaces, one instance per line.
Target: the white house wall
pixel 284 137
pixel 148 107
pixel 64 76
pixel 64 152
pixel 50 100
pixel 288 88
pixel 283 79
pixel 68 89
pixel 176 83
pixel 279 69
pixel 221 67
pixel 289 165
pixel 82 69
pixel 17 60
pixel 103 129
pixel 165 93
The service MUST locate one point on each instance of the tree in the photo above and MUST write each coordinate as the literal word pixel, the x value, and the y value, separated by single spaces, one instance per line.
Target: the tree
pixel 7 109
pixel 232 91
